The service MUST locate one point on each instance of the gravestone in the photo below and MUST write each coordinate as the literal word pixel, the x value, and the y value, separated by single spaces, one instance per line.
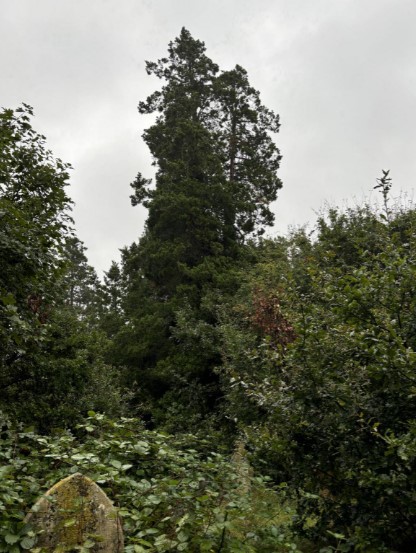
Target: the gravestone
pixel 76 511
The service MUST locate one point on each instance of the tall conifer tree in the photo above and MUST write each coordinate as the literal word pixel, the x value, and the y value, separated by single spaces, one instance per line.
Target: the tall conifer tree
pixel 216 176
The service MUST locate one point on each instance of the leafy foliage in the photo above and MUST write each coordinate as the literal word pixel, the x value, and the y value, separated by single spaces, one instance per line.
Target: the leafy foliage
pixel 174 494
pixel 332 411
pixel 34 218
pixel 49 356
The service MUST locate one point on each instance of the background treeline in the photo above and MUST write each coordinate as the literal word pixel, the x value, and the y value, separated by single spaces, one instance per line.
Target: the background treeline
pixel 300 349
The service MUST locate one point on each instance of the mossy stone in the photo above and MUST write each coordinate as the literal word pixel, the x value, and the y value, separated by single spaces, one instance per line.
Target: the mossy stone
pixel 73 512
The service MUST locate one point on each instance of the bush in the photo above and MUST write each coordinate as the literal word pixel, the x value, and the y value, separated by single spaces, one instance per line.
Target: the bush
pixel 173 493
pixel 333 411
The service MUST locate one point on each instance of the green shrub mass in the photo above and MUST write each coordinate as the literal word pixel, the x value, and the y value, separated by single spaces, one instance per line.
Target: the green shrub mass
pixel 320 367
pixel 173 494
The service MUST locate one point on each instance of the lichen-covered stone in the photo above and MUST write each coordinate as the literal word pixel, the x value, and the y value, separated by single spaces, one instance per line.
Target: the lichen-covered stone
pixel 75 511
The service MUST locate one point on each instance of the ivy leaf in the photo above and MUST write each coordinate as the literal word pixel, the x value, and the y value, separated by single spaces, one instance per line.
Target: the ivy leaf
pixel 182 536
pixel 11 538
pixel 28 542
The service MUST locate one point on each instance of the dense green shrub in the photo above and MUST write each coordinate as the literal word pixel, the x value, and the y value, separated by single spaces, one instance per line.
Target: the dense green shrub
pixel 320 367
pixel 51 354
pixel 174 494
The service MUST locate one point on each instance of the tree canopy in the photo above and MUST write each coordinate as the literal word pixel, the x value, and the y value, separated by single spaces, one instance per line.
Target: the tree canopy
pixel 216 175
pixel 49 351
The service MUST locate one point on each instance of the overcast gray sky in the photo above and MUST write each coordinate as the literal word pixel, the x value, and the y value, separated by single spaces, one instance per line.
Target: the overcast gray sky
pixel 341 74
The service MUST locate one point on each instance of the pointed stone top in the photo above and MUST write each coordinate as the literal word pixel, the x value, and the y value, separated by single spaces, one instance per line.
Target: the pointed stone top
pixel 75 511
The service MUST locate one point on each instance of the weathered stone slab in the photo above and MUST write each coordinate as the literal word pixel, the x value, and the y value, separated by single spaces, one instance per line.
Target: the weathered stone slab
pixel 73 511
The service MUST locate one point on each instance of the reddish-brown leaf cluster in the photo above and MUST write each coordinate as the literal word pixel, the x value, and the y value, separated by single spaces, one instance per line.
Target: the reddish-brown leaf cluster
pixel 267 318
pixel 35 304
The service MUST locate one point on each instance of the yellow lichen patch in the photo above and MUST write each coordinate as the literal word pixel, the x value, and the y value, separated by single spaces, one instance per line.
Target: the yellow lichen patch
pixel 75 510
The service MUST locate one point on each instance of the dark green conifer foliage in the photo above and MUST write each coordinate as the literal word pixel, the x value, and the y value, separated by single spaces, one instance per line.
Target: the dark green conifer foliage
pixel 189 209
pixel 215 178
pixel 81 286
pixel 249 156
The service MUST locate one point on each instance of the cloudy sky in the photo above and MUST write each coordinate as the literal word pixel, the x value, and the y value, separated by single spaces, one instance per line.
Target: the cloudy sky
pixel 341 74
